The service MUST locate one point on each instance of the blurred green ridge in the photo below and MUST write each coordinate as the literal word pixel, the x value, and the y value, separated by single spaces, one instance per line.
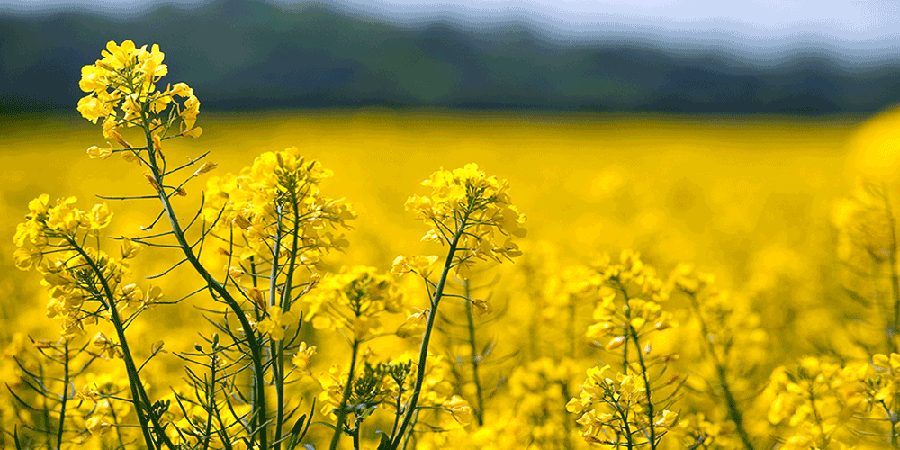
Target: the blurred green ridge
pixel 242 54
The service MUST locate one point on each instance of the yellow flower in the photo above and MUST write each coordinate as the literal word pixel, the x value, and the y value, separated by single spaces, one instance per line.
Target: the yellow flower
pixel 276 322
pixel 468 202
pixel 482 307
pixel 63 217
pixel 891 362
pixel 417 264
pixel 100 216
pixel 130 248
pixel 304 353
pixel 97 152
pixel 27 258
pixel 460 410
pixel 354 300
pixel 92 108
pixel 97 425
pixel 667 419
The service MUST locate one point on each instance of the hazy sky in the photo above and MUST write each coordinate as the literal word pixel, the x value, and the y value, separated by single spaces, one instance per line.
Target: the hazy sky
pixel 848 21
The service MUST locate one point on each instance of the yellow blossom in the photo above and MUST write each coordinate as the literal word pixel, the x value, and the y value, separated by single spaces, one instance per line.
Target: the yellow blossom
pixel 274 325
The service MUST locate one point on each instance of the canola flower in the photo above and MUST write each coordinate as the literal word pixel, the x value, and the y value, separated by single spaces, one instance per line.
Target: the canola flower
pixel 618 408
pixel 469 212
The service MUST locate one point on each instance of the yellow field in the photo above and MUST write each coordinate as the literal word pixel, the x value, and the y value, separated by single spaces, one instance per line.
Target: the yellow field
pixel 703 188
pixel 750 199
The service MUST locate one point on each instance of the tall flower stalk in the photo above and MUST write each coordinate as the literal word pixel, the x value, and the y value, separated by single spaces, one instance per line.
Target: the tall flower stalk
pixel 471 213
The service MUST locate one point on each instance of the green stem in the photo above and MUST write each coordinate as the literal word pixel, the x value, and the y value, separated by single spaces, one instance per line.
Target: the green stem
pixel 138 396
pixel 423 350
pixel 65 397
pixel 258 430
pixel 356 436
pixel 277 349
pixel 286 306
pixel 734 413
pixel 342 408
pixel 893 420
pixel 647 389
pixel 475 359
pixel 211 398
pixel 631 333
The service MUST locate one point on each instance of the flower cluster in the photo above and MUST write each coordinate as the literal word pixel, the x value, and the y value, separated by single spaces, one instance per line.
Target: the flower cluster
pixel 101 411
pixel 353 301
pixel 629 302
pixel 50 227
pixel 276 322
pixel 627 407
pixel 614 409
pixel 275 206
pixel 537 389
pixel 814 401
pixel 471 212
pixel 122 91
pixel 388 386
pixel 51 240
pixel 731 347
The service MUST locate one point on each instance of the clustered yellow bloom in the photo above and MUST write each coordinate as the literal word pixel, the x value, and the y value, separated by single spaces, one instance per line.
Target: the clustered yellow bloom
pixel 101 413
pixel 352 301
pixel 122 91
pixel 106 347
pixel 629 301
pixel 278 196
pixel 618 407
pixel 276 322
pixel 475 209
pixel 421 265
pixel 61 221
pixel 50 240
pixel 612 402
pixel 815 399
pixel 887 383
pixel 388 386
pixel 304 353
pixel 536 390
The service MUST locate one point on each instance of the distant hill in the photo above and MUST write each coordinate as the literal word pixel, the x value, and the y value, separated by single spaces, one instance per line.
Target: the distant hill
pixel 240 54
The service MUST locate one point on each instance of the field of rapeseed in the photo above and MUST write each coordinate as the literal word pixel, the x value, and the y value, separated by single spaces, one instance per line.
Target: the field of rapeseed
pixel 288 280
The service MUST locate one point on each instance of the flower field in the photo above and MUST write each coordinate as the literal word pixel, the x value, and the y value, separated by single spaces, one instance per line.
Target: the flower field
pixel 352 279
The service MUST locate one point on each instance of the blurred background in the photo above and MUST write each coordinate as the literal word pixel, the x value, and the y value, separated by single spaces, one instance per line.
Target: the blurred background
pixel 774 56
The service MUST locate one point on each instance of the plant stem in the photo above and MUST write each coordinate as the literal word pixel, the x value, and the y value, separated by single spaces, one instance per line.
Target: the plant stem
pixel 342 408
pixel 211 400
pixel 733 412
pixel 285 305
pixel 631 333
pixel 423 350
pixel 258 431
pixel 277 349
pixel 138 396
pixel 475 359
pixel 65 397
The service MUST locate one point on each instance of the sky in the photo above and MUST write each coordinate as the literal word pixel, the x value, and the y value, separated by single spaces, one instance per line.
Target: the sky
pixel 848 23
